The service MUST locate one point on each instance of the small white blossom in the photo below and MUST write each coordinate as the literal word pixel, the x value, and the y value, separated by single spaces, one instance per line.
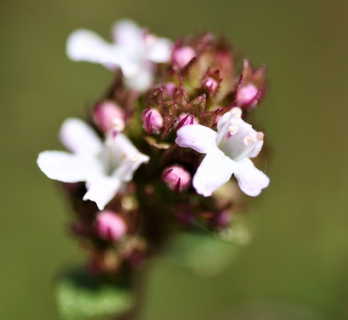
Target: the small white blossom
pixel 134 51
pixel 228 152
pixel 104 166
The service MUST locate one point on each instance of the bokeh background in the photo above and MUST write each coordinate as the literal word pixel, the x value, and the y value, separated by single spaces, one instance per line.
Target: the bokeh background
pixel 296 265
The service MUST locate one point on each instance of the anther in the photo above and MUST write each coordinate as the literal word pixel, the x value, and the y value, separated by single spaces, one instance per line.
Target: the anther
pixel 232 129
pixel 135 157
pixel 260 135
pixel 118 124
pixel 248 140
pixel 236 112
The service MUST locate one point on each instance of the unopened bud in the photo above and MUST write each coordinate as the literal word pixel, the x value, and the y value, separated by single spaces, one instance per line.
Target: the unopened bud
pixel 186 119
pixel 110 226
pixel 182 56
pixel 109 116
pixel 176 178
pixel 246 95
pixel 169 90
pixel 152 120
pixel 211 84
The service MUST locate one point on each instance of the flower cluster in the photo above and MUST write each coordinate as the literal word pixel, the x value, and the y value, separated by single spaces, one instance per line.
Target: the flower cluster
pixel 164 149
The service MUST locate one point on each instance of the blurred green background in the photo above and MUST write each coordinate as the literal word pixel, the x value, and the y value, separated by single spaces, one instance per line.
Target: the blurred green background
pixel 297 261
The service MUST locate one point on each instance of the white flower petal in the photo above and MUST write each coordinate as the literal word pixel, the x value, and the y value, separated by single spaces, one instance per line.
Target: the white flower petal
pixel 255 152
pixel 242 142
pixel 213 172
pixel 102 190
pixel 141 80
pixel 66 167
pixel 250 179
pixel 160 50
pixel 129 36
pixel 80 138
pixel 85 45
pixel 198 137
pixel 128 157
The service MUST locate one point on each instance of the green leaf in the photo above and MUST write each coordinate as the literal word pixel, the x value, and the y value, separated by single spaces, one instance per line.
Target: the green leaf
pixel 81 296
pixel 204 253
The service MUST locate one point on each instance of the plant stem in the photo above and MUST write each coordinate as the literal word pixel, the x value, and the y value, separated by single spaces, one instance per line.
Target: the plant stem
pixel 139 293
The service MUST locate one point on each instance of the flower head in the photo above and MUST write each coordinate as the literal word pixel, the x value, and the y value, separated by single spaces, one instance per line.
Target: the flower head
pixel 104 166
pixel 228 151
pixel 134 51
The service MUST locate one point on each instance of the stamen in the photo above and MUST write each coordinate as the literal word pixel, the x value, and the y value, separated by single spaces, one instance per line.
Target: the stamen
pixel 118 124
pixel 236 112
pixel 232 129
pixel 248 140
pixel 135 157
pixel 260 135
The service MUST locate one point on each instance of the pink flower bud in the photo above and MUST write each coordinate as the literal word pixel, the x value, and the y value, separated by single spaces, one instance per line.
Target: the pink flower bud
pixel 110 226
pixel 210 84
pixel 152 120
pixel 246 95
pixel 186 119
pixel 108 116
pixel 182 56
pixel 176 178
pixel 169 90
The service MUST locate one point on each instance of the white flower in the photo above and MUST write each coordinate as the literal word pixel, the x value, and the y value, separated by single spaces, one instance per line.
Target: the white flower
pixel 103 166
pixel 134 51
pixel 228 152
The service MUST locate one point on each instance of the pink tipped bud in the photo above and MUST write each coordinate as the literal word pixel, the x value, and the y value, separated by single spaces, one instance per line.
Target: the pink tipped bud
pixel 182 56
pixel 186 119
pixel 176 178
pixel 110 226
pixel 169 90
pixel 109 116
pixel 246 95
pixel 210 84
pixel 152 120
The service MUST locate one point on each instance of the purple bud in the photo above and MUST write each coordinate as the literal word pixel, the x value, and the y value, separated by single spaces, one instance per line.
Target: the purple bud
pixel 246 95
pixel 176 178
pixel 169 90
pixel 186 119
pixel 182 56
pixel 210 84
pixel 108 116
pixel 152 120
pixel 110 226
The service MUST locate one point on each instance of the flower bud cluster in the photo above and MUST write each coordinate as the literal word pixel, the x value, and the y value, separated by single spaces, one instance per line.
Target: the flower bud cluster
pixel 161 147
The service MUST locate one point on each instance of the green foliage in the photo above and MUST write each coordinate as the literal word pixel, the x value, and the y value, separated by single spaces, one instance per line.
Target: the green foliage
pixel 81 296
pixel 203 253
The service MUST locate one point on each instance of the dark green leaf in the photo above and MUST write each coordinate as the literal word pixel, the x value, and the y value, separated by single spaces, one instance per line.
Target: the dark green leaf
pixel 81 296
